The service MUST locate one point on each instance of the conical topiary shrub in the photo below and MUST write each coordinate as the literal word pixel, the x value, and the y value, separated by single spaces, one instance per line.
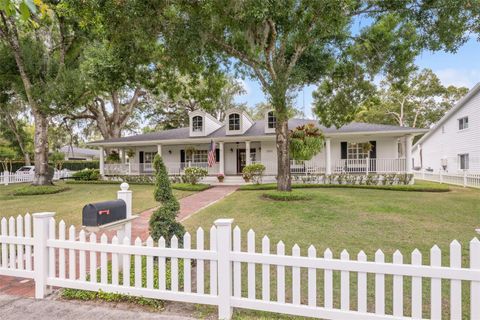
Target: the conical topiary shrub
pixel 162 222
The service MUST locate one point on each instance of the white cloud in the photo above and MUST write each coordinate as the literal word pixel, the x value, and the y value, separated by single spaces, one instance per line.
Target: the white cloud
pixel 459 77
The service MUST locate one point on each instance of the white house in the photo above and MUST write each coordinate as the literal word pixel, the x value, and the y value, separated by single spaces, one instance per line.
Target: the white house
pixel 75 153
pixel 353 148
pixel 453 144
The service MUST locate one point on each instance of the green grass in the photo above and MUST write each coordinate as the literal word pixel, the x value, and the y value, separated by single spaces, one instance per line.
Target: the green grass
pixel 190 187
pixel 68 204
pixel 354 219
pixel 29 190
pixel 422 186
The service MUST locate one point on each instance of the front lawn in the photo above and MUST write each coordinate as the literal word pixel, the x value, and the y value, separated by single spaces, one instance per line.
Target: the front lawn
pixel 68 204
pixel 354 219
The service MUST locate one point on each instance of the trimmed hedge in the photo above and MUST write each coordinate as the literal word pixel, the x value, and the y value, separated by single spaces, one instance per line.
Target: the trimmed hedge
pixel 294 195
pixel 73 165
pixel 414 187
pixel 30 190
pixel 190 187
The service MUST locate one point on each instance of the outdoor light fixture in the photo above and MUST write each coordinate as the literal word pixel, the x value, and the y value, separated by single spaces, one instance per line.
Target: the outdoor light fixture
pixel 170 151
pixel 231 149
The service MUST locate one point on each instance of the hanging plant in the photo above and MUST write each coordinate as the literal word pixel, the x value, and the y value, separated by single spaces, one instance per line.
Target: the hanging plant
pixel 190 151
pixel 130 153
pixel 367 147
pixel 305 142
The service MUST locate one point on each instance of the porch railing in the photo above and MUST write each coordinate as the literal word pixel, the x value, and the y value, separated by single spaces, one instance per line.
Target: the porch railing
pixel 314 166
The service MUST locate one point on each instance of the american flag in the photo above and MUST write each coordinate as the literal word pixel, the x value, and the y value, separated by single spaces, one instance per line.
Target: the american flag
pixel 211 154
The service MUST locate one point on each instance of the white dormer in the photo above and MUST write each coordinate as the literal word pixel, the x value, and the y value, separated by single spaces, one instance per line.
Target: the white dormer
pixel 202 123
pixel 237 121
pixel 270 121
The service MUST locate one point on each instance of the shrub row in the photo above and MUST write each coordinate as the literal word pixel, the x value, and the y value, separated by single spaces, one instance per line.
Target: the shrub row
pixel 372 179
pixel 73 165
pixel 414 187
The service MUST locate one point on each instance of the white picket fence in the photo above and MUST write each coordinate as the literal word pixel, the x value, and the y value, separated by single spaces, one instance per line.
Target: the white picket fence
pixel 465 179
pixel 7 178
pixel 225 275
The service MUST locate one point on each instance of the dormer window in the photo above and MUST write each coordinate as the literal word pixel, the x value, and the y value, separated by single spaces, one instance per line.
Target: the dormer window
pixel 271 120
pixel 197 124
pixel 234 122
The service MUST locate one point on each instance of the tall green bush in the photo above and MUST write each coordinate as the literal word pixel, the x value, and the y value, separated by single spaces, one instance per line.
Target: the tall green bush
pixel 162 222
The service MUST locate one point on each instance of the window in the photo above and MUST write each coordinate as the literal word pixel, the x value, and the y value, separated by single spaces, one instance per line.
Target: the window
pixel 234 121
pixel 197 124
pixel 463 160
pixel 463 123
pixel 148 157
pixel 271 120
pixel 358 150
pixel 197 156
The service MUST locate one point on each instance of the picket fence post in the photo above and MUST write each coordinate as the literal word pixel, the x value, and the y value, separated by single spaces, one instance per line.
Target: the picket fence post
pixel 6 177
pixel 464 179
pixel 224 267
pixel 41 223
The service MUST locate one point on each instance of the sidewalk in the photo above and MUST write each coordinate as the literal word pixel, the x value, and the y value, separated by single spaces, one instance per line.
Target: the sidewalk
pixel 14 308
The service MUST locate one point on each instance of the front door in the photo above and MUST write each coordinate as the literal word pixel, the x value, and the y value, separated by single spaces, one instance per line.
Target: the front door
pixel 241 160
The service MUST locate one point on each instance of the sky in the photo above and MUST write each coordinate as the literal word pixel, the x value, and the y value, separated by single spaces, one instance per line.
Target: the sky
pixel 459 69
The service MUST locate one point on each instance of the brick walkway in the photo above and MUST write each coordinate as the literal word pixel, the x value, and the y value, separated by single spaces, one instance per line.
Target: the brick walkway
pixel 188 207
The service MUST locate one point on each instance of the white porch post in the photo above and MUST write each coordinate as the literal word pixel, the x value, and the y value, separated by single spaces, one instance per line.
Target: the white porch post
pixel 247 153
pixel 122 156
pixel 408 152
pixel 102 165
pixel 328 157
pixel 221 168
pixel 159 149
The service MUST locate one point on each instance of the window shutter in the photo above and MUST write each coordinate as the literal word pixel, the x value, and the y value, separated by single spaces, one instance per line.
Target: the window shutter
pixel 140 155
pixel 217 155
pixel 182 155
pixel 343 146
pixel 373 152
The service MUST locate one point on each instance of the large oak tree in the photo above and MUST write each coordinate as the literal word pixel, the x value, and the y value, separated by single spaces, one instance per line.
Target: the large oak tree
pixel 292 43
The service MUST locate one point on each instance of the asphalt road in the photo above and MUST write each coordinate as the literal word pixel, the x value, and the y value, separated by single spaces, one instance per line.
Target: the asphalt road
pixel 15 308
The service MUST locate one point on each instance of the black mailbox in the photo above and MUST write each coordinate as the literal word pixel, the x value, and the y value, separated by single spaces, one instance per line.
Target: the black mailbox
pixel 100 213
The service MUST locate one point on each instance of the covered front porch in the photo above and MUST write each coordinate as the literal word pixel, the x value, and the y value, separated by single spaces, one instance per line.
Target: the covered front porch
pixel 353 154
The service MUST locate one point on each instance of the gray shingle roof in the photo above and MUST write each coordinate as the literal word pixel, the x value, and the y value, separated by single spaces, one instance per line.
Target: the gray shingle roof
pixel 257 129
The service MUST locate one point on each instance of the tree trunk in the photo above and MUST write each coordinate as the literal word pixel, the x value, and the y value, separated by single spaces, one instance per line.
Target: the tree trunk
pixel 278 96
pixel 21 144
pixel 284 179
pixel 41 150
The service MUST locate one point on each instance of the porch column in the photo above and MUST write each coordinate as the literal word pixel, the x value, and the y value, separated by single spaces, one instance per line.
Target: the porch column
pixel 408 153
pixel 122 155
pixel 102 170
pixel 247 153
pixel 159 149
pixel 328 157
pixel 221 168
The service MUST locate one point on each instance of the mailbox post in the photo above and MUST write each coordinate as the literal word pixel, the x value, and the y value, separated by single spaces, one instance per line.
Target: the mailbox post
pixel 125 195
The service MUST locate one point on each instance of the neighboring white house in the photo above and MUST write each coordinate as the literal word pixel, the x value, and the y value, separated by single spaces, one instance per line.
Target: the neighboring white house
pixel 75 153
pixel 353 148
pixel 453 144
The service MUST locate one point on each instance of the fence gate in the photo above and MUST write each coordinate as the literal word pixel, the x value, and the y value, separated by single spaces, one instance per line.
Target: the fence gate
pixel 227 272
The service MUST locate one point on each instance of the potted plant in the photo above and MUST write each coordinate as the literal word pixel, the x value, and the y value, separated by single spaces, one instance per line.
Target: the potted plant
pixel 220 177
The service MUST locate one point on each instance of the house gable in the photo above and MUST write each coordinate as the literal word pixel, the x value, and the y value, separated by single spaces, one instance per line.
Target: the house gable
pixel 237 122
pixel 202 124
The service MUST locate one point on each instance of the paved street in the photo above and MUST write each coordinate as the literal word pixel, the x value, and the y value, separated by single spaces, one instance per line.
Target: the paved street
pixel 15 307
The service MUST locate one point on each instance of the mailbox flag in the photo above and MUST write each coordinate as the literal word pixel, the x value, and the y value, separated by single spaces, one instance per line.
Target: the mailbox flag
pixel 211 154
